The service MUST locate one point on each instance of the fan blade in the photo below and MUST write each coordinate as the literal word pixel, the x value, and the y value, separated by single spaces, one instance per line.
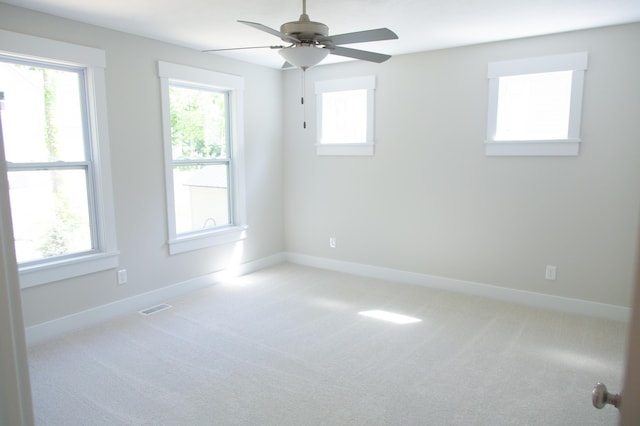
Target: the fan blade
pixel 359 54
pixel 287 66
pixel 243 48
pixel 361 37
pixel 271 31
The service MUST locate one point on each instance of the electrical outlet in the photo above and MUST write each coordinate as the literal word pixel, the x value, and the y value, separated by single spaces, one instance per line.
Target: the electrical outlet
pixel 122 276
pixel 332 242
pixel 550 273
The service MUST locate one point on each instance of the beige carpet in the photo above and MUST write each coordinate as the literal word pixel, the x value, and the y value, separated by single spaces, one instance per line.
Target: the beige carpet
pixel 286 346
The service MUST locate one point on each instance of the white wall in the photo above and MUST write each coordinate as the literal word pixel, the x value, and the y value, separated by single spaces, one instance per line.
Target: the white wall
pixel 431 202
pixel 135 130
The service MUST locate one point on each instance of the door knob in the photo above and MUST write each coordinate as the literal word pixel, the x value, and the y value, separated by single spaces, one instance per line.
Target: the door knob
pixel 602 397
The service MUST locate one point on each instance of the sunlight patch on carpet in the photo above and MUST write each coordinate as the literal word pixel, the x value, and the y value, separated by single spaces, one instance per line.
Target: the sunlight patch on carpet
pixel 390 316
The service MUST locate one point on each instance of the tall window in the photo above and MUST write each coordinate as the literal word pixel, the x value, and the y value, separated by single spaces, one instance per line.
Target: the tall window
pixel 203 153
pixel 345 112
pixel 535 105
pixel 48 160
pixel 53 137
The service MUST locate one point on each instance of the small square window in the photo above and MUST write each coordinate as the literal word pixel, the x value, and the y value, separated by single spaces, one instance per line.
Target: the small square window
pixel 345 116
pixel 535 105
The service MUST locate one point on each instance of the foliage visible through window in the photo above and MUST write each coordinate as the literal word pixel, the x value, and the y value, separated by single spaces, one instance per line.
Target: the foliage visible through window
pixel 48 159
pixel 203 148
pixel 200 154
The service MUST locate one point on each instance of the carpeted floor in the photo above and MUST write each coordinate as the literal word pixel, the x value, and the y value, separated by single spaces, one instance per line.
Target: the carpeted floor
pixel 286 346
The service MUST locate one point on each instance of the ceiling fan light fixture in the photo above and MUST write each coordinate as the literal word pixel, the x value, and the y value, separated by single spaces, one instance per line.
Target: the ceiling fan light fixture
pixel 304 56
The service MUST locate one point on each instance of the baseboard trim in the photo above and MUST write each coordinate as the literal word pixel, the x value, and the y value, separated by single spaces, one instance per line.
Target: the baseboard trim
pixel 537 300
pixel 42 332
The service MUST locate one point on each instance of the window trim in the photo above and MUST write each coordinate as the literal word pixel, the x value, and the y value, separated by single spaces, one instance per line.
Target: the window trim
pixel 367 83
pixel 170 72
pixel 105 255
pixel 575 62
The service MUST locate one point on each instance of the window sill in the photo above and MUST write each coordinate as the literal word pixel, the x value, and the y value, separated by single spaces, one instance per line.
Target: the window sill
pixel 354 149
pixel 208 239
pixel 564 147
pixel 32 276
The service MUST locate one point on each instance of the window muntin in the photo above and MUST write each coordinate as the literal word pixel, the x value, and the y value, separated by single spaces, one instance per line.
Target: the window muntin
pixel 345 116
pixel 76 167
pixel 535 105
pixel 204 156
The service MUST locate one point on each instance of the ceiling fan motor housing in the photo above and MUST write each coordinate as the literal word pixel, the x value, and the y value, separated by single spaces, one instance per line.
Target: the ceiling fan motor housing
pixel 304 29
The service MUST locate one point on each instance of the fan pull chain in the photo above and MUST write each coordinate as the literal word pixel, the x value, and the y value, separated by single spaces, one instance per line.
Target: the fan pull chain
pixel 304 107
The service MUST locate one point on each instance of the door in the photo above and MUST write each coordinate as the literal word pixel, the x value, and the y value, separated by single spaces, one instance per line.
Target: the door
pixel 15 393
pixel 630 406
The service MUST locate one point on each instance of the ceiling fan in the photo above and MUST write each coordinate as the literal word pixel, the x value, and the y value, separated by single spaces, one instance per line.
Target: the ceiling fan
pixel 310 42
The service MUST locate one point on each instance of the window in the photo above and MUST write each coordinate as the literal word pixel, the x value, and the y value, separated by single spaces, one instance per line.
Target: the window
pixel 203 156
pixel 535 105
pixel 56 147
pixel 345 111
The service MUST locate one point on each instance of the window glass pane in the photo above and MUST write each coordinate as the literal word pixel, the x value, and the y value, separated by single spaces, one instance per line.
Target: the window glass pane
pixel 198 123
pixel 534 106
pixel 50 213
pixel 344 117
pixel 43 119
pixel 201 194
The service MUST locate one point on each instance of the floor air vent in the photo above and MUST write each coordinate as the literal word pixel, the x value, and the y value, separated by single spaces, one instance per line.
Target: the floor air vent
pixel 154 309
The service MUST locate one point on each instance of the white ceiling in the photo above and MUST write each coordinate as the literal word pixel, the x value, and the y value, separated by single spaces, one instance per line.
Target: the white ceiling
pixel 421 25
